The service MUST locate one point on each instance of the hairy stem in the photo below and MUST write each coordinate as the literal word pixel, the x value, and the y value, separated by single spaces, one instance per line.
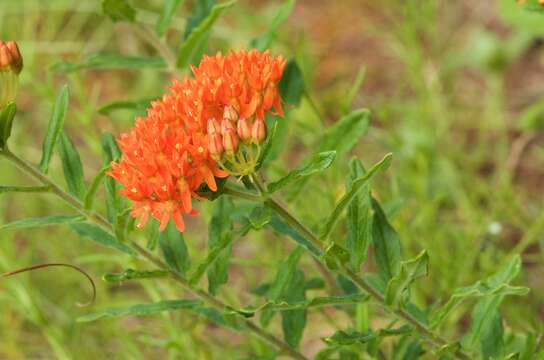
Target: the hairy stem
pixel 359 281
pixel 101 221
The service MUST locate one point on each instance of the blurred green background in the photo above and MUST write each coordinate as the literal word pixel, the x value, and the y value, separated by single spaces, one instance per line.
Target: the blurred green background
pixel 456 89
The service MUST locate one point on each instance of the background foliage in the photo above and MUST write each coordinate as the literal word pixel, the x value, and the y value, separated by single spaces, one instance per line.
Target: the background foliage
pixel 455 92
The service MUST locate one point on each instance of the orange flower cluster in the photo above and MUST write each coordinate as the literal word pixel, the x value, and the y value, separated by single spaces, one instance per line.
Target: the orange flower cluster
pixel 166 155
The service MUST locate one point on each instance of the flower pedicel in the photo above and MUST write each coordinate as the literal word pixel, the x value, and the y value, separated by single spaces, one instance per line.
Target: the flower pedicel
pixel 208 126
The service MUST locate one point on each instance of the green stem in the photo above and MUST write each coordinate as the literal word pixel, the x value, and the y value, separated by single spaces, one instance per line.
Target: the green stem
pixel 32 189
pixel 360 282
pixel 106 225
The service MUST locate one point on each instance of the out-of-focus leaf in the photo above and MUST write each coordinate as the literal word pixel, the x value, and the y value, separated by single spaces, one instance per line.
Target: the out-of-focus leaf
pixel 138 106
pixel 386 244
pixel 354 89
pixel 54 128
pixel 315 163
pixel 42 221
pixel 201 10
pixel 534 5
pixel 263 41
pixel 131 274
pixel 7 114
pixel 168 10
pixel 111 152
pixel 106 61
pixel 359 220
pixel 349 196
pixel 30 189
pixel 199 34
pixel 119 10
pixel 220 232
pixel 495 285
pixel 100 236
pixel 342 338
pixel 142 309
pixel 259 217
pixel 284 278
pixel 72 166
pixel 345 133
pixel 292 84
pixel 398 288
pixel 174 249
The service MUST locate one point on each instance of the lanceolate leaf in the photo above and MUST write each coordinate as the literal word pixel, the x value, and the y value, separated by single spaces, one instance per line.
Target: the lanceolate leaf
pixel 293 321
pixel 199 34
pixel 341 338
pixel 350 195
pixel 7 114
pixel 91 191
pixel 264 41
pixel 386 244
pixel 138 106
pixel 118 10
pixel 483 324
pixel 105 61
pixel 292 84
pixel 345 133
pixel 168 10
pixel 396 294
pixel 496 285
pixel 142 309
pixel 111 152
pixel 42 221
pixel 282 227
pixel 131 274
pixel 54 128
pixel 201 10
pixel 71 164
pixel 220 232
pixel 315 163
pixel 359 220
pixel 100 236
pixel 172 244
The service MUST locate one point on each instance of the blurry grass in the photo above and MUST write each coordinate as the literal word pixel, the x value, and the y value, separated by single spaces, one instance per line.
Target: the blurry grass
pixel 446 117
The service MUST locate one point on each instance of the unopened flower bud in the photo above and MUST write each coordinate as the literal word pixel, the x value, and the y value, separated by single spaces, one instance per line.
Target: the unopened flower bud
pixel 258 131
pixel 11 64
pixel 243 129
pixel 213 126
pixel 230 114
pixel 230 140
pixel 215 145
pixel 226 125
pixel 16 58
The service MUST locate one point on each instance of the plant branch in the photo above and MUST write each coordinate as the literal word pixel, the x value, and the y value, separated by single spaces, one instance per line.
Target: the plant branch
pixel 101 221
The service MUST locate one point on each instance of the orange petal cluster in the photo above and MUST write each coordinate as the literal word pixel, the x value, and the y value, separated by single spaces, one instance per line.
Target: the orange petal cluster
pixel 165 155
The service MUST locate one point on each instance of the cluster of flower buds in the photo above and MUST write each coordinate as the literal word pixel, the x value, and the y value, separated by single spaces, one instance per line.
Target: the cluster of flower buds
pixel 11 64
pixel 235 141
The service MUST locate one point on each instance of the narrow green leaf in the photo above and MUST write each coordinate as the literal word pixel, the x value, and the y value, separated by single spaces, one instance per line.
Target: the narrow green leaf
pixel 292 84
pixel 138 106
pixel 283 228
pixel 31 189
pixel 398 288
pixel 93 188
pixel 142 309
pixel 495 285
pixel 293 321
pixel 111 152
pixel 349 196
pixel 7 114
pixel 259 217
pixel 200 11
pixel 54 128
pixel 265 40
pixel 174 249
pixel 42 221
pixel 111 61
pixel 342 338
pixel 118 10
pixel 359 219
pixel 131 274
pixel 72 166
pixel 199 34
pixel 354 89
pixel 220 235
pixel 219 318
pixel 386 244
pixel 168 10
pixel 345 133
pixel 100 236
pixel 483 320
pixel 315 163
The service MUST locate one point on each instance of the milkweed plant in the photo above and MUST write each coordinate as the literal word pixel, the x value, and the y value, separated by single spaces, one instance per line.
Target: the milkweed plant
pixel 208 140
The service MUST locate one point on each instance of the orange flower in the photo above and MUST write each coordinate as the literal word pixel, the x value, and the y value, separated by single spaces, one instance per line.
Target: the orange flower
pixel 166 155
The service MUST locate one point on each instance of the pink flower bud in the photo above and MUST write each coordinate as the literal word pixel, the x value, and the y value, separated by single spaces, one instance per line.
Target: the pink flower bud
pixel 213 126
pixel 230 114
pixel 243 129
pixel 258 131
pixel 230 140
pixel 226 125
pixel 215 145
